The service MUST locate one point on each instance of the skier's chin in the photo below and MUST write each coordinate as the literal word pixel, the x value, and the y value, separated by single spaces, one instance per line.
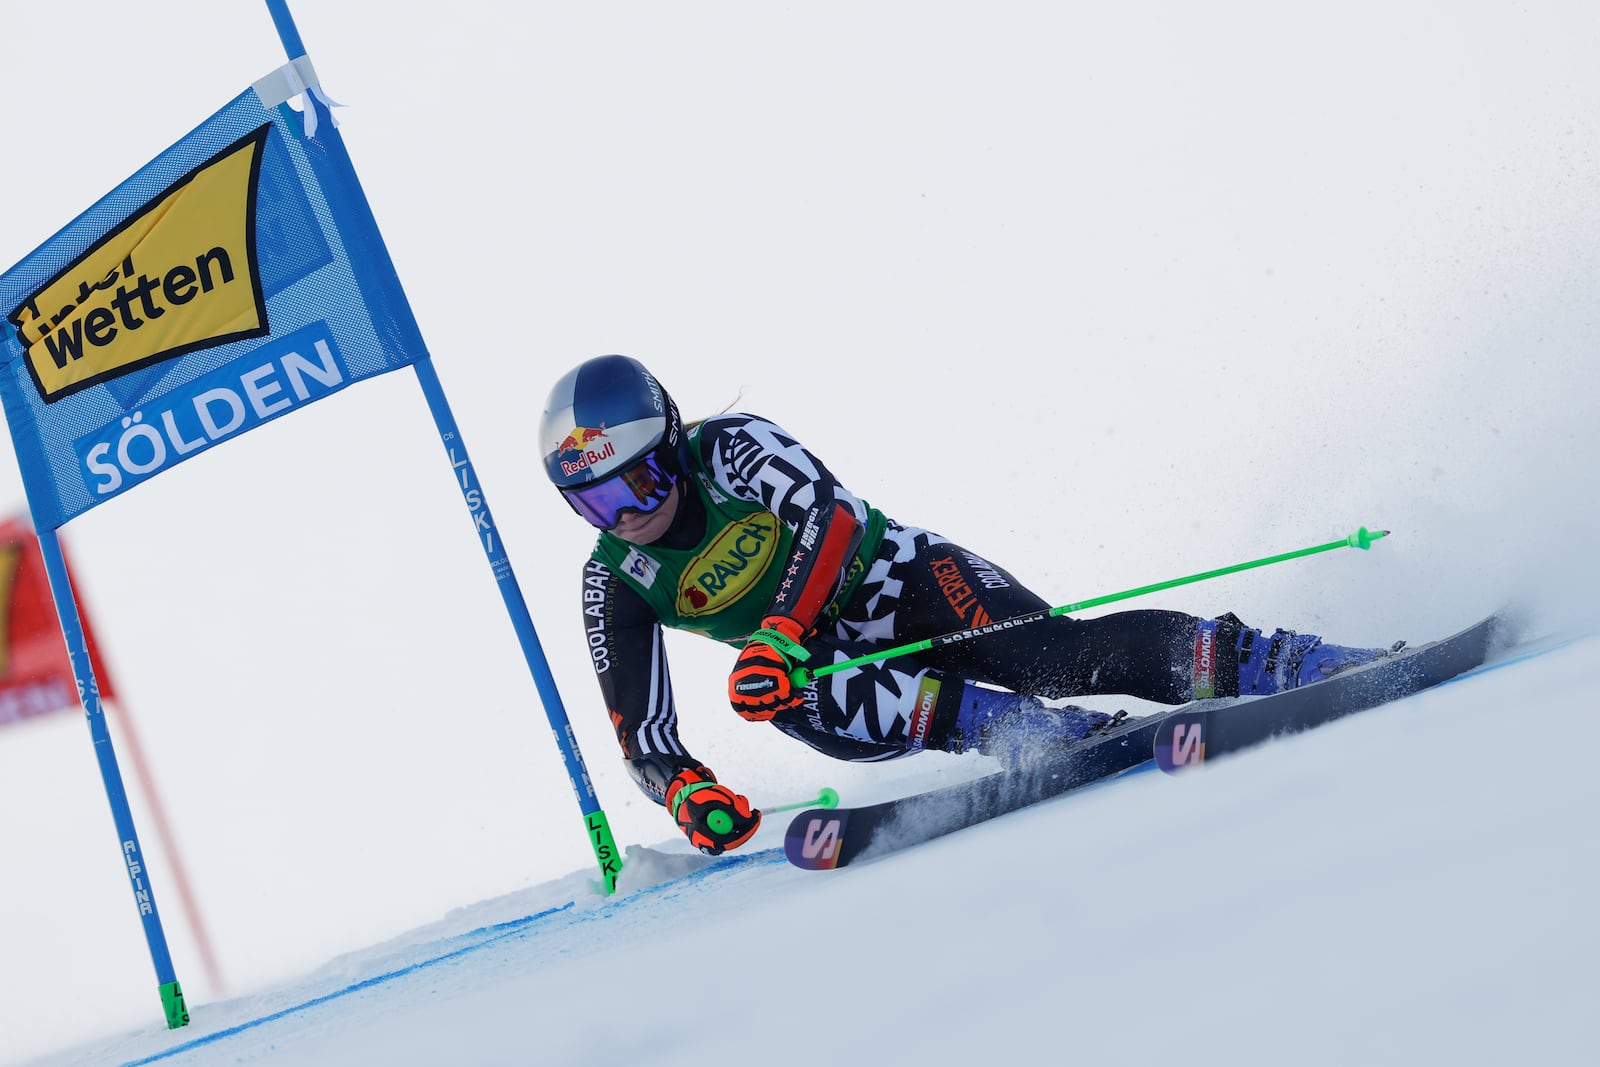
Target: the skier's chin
pixel 642 529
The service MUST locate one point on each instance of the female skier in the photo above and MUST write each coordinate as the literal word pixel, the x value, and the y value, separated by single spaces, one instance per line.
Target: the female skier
pixel 731 529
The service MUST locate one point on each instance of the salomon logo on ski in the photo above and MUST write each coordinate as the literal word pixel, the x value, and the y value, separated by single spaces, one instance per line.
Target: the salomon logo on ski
pixel 817 844
pixel 1181 741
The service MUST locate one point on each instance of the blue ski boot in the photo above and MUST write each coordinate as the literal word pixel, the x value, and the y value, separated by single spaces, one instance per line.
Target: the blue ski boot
pixel 1288 660
pixel 1008 726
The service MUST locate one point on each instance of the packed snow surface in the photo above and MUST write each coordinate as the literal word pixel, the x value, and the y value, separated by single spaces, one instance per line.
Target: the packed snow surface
pixel 1412 884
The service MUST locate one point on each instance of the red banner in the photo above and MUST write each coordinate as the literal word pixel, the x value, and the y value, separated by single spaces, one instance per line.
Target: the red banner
pixel 35 674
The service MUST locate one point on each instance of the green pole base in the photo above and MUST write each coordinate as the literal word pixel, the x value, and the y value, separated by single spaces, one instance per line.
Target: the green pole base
pixel 172 1001
pixel 605 849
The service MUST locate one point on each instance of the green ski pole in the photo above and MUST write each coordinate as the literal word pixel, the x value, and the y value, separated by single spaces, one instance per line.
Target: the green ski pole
pixel 826 798
pixel 802 675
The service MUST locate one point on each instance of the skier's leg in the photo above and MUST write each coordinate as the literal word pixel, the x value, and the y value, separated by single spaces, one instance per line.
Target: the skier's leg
pixel 944 587
pixel 1164 656
pixel 874 711
pixel 918 586
pixel 881 710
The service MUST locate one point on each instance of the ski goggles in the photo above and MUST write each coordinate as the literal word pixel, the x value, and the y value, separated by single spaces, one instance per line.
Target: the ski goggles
pixel 642 487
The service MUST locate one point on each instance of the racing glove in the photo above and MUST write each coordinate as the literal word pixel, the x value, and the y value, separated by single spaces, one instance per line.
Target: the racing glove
pixel 713 817
pixel 759 686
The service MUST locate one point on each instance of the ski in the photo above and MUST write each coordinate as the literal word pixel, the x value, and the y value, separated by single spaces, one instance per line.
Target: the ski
pixel 828 838
pixel 1190 735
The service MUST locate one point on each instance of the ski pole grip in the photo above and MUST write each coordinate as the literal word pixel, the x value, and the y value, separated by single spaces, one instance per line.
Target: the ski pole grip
pixel 799 677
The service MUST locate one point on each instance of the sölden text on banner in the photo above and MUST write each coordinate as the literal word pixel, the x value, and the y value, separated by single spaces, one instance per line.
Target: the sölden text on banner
pixel 230 281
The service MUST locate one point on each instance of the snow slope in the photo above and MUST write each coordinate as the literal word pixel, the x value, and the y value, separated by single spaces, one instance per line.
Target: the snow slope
pixel 1414 884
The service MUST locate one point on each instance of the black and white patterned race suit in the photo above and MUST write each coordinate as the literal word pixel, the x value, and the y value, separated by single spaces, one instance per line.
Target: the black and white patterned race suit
pixel 918 585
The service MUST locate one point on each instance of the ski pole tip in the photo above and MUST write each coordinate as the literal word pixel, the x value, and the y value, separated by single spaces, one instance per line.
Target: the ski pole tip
pixel 828 797
pixel 1364 537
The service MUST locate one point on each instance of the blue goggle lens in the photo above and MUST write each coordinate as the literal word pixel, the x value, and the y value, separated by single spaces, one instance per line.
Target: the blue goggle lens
pixel 642 487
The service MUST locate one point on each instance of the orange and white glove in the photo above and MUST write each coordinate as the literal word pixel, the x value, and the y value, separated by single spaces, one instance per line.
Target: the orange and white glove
pixel 713 817
pixel 759 686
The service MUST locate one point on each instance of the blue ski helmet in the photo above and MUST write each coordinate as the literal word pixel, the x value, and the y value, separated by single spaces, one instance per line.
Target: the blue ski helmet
pixel 610 436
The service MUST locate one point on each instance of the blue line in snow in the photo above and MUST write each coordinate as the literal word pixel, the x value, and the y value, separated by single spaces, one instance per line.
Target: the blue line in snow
pixel 504 930
pixel 498 932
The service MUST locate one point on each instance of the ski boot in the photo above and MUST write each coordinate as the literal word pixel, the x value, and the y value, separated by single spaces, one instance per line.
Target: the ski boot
pixel 1288 660
pixel 1009 726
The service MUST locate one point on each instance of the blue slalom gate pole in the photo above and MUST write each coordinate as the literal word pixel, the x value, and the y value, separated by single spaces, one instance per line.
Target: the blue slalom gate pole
pixel 55 566
pixel 595 822
pixel 605 848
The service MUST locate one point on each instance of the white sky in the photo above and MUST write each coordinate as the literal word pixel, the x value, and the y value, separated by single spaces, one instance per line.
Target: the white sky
pixel 1109 296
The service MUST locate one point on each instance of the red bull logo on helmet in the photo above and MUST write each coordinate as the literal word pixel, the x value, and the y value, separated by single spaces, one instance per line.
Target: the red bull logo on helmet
pixel 579 441
pixel 579 438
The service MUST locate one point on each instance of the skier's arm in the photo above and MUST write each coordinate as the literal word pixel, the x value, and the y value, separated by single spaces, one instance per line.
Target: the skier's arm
pixel 630 662
pixel 757 460
pixel 825 542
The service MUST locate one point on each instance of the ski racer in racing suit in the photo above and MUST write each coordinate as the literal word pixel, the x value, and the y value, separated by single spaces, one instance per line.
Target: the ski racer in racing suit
pixel 733 529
